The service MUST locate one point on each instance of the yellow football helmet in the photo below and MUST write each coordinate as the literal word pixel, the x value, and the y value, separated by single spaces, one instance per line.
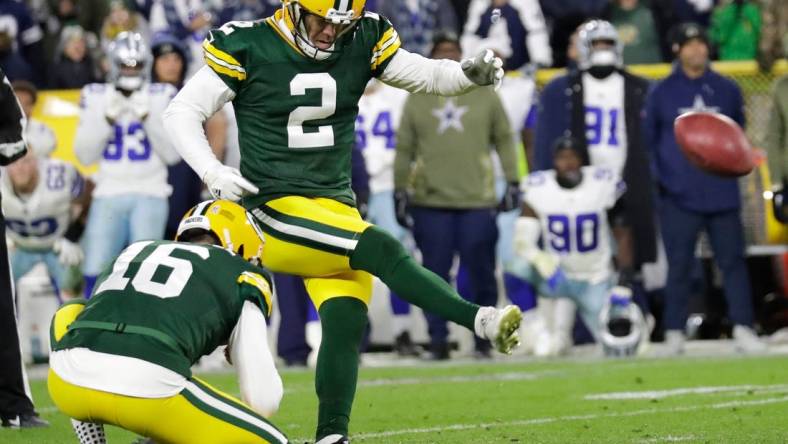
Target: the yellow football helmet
pixel 345 14
pixel 229 223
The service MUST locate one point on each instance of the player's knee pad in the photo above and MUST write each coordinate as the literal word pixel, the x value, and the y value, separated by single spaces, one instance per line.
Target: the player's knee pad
pixel 377 252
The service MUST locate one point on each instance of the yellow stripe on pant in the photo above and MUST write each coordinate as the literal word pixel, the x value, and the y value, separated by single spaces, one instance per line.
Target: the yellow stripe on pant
pixel 198 414
pixel 314 238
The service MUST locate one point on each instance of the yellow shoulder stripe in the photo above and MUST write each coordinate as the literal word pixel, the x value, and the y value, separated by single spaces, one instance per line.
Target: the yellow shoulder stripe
pixel 219 54
pixel 385 54
pixel 223 70
pixel 259 282
pixel 386 36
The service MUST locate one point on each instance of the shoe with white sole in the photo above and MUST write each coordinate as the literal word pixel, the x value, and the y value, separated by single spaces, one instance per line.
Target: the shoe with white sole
pixel 747 340
pixel 674 342
pixel 334 439
pixel 499 326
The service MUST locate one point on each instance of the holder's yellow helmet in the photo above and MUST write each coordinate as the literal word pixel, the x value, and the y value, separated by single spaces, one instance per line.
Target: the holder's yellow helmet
pixel 342 13
pixel 229 223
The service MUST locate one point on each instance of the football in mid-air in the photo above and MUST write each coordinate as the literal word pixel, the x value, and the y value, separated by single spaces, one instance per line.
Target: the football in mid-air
pixel 714 143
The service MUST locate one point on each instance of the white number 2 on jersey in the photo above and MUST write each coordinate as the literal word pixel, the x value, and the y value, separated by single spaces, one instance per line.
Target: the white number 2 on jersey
pixel 324 136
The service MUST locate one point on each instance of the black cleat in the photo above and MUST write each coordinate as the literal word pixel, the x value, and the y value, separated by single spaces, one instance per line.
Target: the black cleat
pixel 404 346
pixel 30 421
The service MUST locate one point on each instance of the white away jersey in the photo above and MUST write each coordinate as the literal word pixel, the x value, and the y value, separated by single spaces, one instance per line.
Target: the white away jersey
pixel 574 221
pixel 132 155
pixel 605 123
pixel 35 222
pixel 378 118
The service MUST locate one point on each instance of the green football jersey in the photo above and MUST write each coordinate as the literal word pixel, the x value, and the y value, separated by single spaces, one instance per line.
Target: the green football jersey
pixel 296 116
pixel 168 303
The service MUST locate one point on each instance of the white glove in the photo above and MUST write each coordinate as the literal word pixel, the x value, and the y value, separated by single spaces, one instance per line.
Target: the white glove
pixel 484 69
pixel 115 106
pixel 227 183
pixel 69 253
pixel 138 105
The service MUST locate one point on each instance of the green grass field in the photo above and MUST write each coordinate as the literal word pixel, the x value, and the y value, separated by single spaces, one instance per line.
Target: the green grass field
pixel 688 400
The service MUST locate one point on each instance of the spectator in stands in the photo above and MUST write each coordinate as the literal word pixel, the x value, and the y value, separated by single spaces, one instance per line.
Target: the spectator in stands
pixel 521 25
pixel 121 130
pixel 694 11
pixel 40 137
pixel 189 21
pixel 417 21
pixel 443 150
pixel 776 144
pixel 122 18
pixel 248 10
pixel 641 25
pixel 692 200
pixel 21 43
pixel 774 33
pixel 563 17
pixel 735 30
pixel 74 67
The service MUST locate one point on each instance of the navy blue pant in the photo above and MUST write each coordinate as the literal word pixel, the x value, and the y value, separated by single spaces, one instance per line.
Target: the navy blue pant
pixel 472 234
pixel 296 310
pixel 680 230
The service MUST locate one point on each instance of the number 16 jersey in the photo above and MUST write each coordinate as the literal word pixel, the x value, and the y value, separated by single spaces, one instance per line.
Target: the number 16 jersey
pixel 296 115
pixel 574 221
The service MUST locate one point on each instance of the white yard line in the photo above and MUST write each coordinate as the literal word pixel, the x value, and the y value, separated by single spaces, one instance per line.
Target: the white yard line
pixel 554 419
pixel 659 394
pixel 668 438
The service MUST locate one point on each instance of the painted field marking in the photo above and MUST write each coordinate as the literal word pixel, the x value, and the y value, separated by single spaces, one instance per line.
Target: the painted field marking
pixel 660 394
pixel 668 438
pixel 567 418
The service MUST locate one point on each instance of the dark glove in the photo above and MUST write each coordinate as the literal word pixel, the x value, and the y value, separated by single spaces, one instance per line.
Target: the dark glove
pixel 362 202
pixel 780 204
pixel 511 197
pixel 402 209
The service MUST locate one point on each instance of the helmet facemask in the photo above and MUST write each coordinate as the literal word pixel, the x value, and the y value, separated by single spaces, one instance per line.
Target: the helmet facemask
pixel 129 62
pixel 344 23
pixel 592 55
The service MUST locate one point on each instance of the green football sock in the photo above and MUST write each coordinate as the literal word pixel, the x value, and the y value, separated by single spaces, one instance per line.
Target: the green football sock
pixel 380 254
pixel 343 321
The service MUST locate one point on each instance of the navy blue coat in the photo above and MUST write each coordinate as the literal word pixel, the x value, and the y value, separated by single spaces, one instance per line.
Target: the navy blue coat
pixel 678 180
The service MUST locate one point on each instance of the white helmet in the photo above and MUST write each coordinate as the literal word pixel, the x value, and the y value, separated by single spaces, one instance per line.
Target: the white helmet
pixel 129 61
pixel 623 329
pixel 594 31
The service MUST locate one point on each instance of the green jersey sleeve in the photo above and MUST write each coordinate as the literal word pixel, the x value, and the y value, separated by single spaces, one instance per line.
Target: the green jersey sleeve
pixel 225 52
pixel 254 285
pixel 386 42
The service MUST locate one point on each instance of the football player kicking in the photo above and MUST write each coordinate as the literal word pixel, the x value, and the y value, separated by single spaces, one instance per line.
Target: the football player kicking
pixel 124 357
pixel 295 80
pixel 573 208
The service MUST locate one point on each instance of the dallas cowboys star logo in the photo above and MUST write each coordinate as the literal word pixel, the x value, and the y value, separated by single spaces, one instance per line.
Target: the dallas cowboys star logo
pixel 450 116
pixel 699 105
